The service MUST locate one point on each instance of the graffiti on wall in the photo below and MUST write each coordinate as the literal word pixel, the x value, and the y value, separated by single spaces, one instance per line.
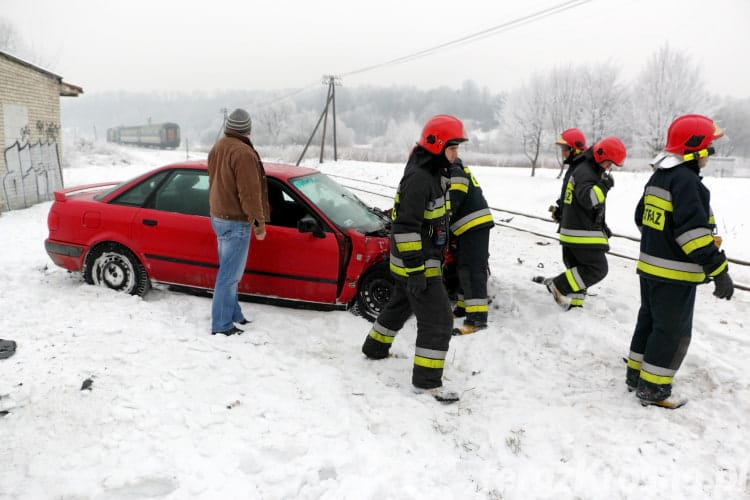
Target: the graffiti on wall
pixel 32 173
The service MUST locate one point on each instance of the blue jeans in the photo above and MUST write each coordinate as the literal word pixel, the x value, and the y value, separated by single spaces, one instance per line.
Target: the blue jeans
pixel 233 240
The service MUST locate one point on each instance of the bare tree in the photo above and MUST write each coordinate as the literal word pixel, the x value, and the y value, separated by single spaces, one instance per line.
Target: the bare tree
pixel 565 101
pixel 10 41
pixel 734 118
pixel 603 98
pixel 528 112
pixel 669 85
pixel 271 120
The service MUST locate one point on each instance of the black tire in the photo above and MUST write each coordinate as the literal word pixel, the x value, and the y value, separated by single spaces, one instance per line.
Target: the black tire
pixel 374 291
pixel 116 268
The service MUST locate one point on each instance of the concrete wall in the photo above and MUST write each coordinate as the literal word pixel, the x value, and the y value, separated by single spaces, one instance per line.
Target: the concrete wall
pixel 30 149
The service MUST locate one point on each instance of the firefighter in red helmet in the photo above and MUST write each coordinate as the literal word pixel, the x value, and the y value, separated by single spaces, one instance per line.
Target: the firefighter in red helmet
pixel 678 252
pixel 471 223
pixel 572 143
pixel 583 228
pixel 419 235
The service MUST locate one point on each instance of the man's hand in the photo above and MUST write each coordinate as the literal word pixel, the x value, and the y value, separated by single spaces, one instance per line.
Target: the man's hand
pixel 260 232
pixel 607 182
pixel 723 286
pixel 555 212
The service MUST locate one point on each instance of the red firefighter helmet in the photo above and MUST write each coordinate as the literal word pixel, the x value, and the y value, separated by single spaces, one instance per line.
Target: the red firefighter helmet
pixel 691 133
pixel 610 148
pixel 573 138
pixel 441 131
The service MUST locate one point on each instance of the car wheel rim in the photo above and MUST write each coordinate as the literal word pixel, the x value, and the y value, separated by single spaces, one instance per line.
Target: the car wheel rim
pixel 377 294
pixel 114 271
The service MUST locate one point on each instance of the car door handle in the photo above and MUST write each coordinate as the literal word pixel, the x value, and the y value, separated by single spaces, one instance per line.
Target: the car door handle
pixel 149 222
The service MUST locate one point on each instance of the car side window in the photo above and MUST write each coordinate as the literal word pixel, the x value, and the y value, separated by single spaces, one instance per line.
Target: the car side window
pixel 285 210
pixel 138 195
pixel 185 192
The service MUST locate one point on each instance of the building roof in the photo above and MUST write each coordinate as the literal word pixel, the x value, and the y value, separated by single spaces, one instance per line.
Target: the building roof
pixel 66 89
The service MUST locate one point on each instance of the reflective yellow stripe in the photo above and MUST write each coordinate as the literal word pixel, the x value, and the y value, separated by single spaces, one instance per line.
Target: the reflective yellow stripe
pixel 655 379
pixel 428 362
pixel 473 223
pixel 576 302
pixel 460 187
pixel 650 199
pixel 697 243
pixel 572 281
pixel 703 153
pixel 719 269
pixel 635 365
pixel 671 273
pixel 434 214
pixel 409 246
pixel 405 271
pixel 433 272
pixel 475 309
pixel 599 193
pixel 384 339
pixel 583 240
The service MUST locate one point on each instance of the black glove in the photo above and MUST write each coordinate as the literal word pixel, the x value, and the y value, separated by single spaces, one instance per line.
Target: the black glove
pixel 723 286
pixel 607 231
pixel 416 283
pixel 607 182
pixel 555 212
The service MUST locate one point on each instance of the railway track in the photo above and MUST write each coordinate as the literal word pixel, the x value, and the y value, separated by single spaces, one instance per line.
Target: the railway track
pixel 621 245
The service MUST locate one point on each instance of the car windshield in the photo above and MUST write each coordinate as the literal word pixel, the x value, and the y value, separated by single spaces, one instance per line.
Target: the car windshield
pixel 339 204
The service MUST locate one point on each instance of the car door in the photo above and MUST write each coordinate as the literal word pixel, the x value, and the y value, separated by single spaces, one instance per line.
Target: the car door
pixel 291 264
pixel 175 232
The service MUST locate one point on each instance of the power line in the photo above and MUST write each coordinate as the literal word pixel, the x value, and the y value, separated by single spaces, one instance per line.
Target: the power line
pixel 508 25
pixel 520 21
pixel 286 96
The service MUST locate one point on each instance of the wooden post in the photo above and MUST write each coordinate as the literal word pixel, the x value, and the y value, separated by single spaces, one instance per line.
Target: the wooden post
pixel 330 101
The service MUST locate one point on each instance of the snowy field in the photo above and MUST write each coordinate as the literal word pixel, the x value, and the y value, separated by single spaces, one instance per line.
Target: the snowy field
pixel 292 410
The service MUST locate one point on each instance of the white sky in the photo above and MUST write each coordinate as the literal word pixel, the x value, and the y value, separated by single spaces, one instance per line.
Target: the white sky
pixel 197 45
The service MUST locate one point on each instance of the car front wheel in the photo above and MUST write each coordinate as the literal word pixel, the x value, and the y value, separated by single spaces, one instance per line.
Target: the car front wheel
pixel 115 267
pixel 374 291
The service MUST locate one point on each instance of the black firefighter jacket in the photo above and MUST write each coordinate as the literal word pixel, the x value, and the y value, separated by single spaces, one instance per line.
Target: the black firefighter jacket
pixel 676 223
pixel 583 215
pixel 468 206
pixel 419 231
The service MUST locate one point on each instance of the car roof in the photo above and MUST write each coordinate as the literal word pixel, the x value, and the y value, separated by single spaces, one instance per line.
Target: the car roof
pixel 278 170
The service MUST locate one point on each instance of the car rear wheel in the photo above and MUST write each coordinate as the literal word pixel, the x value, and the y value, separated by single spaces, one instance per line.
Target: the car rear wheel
pixel 115 267
pixel 374 291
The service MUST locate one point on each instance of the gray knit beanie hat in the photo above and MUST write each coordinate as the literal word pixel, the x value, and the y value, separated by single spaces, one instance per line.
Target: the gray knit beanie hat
pixel 239 121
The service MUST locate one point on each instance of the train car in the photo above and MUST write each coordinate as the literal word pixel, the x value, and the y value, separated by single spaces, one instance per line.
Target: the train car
pixel 157 135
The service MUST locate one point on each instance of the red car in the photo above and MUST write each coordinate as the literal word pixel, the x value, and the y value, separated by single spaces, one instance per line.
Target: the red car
pixel 324 248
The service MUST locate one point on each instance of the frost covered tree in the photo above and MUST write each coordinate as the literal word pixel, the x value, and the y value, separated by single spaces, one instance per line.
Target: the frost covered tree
pixel 669 85
pixel 603 99
pixel 565 101
pixel 272 119
pixel 528 115
pixel 734 118
pixel 10 41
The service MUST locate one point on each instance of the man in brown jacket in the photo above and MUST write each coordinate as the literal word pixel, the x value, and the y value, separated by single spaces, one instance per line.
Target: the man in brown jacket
pixel 238 197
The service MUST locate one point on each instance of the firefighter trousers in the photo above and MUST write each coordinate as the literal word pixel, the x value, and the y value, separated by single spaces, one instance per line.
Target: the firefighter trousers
pixel 662 334
pixel 584 267
pixel 434 327
pixel 472 265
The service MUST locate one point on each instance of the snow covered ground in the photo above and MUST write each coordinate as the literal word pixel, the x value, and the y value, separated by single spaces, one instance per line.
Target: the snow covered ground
pixel 293 410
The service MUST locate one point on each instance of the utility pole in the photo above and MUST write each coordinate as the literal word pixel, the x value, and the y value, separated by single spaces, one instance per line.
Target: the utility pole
pixel 223 122
pixel 330 80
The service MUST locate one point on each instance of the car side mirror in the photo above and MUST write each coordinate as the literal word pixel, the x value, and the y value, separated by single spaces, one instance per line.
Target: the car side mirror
pixel 308 224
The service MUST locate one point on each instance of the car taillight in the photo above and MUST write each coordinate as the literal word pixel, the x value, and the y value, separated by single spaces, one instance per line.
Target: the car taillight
pixel 53 221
